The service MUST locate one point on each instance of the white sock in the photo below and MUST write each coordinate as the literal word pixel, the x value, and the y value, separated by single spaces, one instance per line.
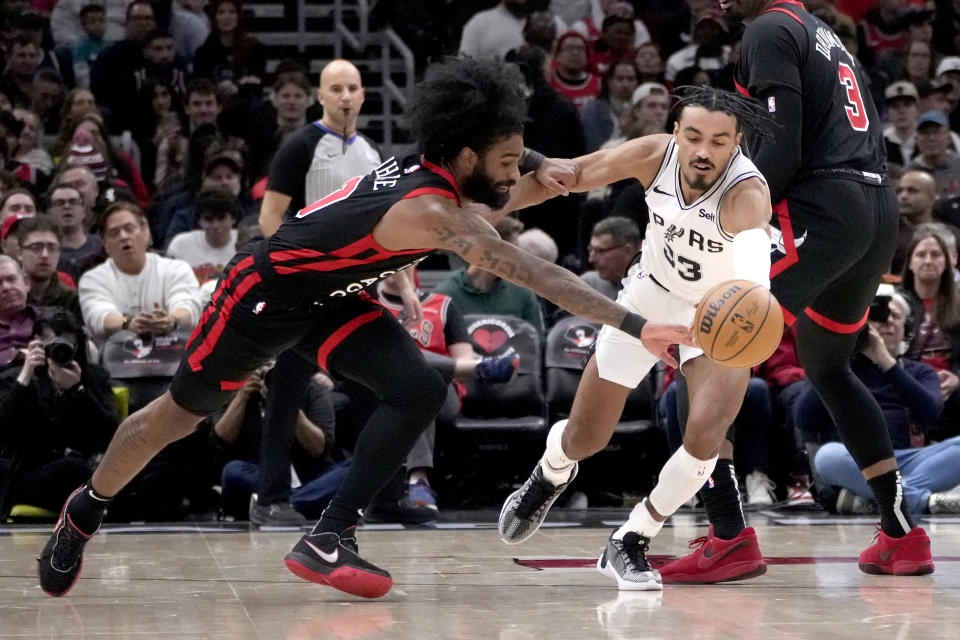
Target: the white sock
pixel 640 521
pixel 680 479
pixel 555 464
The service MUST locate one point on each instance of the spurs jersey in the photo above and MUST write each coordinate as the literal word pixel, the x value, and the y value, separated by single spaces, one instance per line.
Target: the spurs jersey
pixel 685 250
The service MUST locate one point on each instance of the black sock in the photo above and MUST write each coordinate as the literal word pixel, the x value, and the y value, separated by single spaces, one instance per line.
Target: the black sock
pixel 722 501
pixel 86 508
pixel 336 519
pixel 888 493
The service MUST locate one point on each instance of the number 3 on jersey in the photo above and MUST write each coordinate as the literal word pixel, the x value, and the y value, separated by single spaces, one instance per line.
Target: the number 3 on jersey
pixel 686 269
pixel 856 114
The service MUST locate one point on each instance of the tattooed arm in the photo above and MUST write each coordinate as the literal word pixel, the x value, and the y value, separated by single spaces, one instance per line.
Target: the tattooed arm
pixel 431 221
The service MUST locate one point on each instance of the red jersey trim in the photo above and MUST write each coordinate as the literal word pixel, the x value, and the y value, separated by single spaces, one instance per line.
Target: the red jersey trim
pixel 741 89
pixel 228 385
pixel 206 347
pixel 443 173
pixel 211 306
pixel 782 209
pixel 367 242
pixel 430 191
pixel 341 334
pixel 788 318
pixel 789 13
pixel 833 325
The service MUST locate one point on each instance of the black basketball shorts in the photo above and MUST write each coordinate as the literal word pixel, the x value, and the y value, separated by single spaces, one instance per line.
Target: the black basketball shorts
pixel 244 327
pixel 837 237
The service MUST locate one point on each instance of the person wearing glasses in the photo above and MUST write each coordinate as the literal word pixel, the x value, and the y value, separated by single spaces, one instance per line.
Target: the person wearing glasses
pixel 77 247
pixel 614 243
pixel 40 241
pixel 135 290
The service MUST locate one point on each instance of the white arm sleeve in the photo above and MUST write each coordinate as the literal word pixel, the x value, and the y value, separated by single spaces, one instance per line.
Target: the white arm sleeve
pixel 751 256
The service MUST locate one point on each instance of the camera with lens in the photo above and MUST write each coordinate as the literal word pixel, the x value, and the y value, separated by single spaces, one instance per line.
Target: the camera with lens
pixel 60 351
pixel 879 309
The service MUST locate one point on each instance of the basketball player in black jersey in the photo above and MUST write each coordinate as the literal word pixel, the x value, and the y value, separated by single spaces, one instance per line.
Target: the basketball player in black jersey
pixel 303 289
pixel 836 217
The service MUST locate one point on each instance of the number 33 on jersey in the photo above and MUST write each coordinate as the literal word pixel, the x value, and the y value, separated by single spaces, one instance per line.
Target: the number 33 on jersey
pixel 685 249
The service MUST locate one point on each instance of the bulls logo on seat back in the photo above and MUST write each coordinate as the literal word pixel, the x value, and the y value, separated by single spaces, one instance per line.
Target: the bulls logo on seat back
pixel 497 335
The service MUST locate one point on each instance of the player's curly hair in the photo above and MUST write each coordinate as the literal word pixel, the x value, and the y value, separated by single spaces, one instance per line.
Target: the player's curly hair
pixel 748 112
pixel 466 102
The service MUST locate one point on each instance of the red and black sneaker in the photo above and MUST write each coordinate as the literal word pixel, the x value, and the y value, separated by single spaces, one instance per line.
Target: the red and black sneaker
pixel 333 559
pixel 718 560
pixel 61 560
pixel 906 556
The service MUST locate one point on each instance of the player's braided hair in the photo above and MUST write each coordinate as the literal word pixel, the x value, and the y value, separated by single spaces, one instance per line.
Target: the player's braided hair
pixel 747 111
pixel 466 102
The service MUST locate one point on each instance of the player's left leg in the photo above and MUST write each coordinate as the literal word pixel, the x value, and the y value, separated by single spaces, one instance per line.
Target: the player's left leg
pixel 716 394
pixel 372 349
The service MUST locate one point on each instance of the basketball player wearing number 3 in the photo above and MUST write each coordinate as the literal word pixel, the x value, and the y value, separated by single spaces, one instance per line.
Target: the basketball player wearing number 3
pixel 709 215
pixel 835 223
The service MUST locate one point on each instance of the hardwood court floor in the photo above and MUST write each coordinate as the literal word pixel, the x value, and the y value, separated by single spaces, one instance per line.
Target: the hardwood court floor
pixel 456 580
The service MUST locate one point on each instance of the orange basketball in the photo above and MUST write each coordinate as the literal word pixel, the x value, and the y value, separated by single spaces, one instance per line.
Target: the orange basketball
pixel 738 323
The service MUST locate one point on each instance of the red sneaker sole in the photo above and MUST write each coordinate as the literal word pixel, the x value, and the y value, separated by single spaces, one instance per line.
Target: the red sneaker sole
pixel 726 573
pixel 902 568
pixel 352 581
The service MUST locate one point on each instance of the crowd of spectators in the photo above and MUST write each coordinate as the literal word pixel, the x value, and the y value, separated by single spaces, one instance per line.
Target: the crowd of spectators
pixel 137 140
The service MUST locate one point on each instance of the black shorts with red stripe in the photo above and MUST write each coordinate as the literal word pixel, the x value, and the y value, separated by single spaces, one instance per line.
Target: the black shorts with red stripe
pixel 837 240
pixel 244 327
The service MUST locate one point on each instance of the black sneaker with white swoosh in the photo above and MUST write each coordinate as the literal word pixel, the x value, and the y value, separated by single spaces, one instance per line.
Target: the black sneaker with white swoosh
pixel 333 559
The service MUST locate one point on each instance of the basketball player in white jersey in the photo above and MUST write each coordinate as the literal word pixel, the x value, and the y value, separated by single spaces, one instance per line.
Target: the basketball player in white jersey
pixel 709 214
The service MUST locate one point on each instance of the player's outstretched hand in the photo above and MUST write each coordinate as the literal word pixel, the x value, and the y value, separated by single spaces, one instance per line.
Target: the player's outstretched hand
pixel 558 174
pixel 657 338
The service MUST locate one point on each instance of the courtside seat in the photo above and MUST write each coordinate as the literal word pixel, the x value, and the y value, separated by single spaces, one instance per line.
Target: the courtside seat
pixel 504 423
pixel 142 364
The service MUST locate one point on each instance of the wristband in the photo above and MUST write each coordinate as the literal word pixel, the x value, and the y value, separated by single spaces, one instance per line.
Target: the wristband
pixel 531 160
pixel 633 324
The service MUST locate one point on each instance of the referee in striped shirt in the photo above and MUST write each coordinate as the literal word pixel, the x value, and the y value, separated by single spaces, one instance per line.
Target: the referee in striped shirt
pixel 310 164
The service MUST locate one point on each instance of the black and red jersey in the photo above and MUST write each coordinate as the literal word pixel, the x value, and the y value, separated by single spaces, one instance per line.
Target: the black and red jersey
pixel 787 47
pixel 327 249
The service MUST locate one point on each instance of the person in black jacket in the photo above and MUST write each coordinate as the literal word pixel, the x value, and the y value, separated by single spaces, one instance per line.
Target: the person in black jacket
pixel 908 392
pixel 58 412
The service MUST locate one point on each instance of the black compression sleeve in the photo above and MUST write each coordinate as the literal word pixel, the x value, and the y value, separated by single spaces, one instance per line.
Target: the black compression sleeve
pixel 530 161
pixel 633 324
pixel 778 157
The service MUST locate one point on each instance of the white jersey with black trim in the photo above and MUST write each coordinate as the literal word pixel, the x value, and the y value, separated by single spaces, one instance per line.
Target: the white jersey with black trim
pixel 685 249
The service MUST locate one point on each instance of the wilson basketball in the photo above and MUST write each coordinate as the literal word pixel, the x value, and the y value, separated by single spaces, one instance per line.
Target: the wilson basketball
pixel 738 323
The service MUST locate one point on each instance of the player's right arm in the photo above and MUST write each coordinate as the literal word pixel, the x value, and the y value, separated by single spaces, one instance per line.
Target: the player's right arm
pixel 434 222
pixel 769 69
pixel 639 158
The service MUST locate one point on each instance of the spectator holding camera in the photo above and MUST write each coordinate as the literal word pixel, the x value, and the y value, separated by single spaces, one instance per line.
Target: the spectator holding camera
pixel 236 438
pixel 133 289
pixel 908 391
pixel 58 414
pixel 39 256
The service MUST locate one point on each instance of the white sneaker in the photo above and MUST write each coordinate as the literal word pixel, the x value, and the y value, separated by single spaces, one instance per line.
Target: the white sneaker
pixel 760 489
pixel 945 501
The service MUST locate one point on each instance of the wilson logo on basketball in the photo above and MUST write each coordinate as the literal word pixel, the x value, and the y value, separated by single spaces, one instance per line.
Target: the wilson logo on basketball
pixel 706 322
